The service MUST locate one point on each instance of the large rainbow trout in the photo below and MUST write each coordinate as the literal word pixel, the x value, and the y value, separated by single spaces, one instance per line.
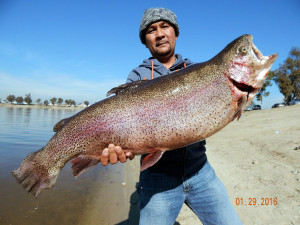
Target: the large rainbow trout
pixel 154 116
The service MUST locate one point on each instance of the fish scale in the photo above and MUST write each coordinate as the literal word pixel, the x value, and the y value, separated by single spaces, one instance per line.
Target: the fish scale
pixel 154 116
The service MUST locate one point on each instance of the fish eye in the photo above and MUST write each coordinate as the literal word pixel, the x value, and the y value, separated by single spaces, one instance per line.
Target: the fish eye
pixel 243 50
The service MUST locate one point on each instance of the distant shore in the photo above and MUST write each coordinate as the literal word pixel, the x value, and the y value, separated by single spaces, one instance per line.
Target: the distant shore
pixel 42 106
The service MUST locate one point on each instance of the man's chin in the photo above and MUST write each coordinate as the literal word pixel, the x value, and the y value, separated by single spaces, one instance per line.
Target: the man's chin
pixel 164 53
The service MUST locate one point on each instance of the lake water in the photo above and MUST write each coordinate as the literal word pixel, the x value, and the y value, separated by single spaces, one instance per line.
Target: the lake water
pixel 70 201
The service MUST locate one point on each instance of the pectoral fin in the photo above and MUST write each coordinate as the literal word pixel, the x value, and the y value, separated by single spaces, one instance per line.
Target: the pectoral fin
pixel 82 164
pixel 151 159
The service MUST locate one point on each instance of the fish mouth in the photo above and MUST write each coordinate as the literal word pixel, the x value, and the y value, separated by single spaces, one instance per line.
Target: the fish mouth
pixel 263 61
pixel 248 74
pixel 243 87
pixel 262 67
pixel 269 60
pixel 257 53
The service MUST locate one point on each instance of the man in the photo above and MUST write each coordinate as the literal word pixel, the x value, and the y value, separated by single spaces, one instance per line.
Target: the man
pixel 181 175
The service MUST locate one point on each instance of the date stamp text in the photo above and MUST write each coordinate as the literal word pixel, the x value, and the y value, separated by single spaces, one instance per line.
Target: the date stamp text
pixel 256 201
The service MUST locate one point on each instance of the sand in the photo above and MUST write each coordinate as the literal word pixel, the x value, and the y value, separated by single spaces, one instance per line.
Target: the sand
pixel 258 160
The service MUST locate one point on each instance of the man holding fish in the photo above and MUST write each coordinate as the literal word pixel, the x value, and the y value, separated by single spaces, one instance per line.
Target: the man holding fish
pixel 166 120
pixel 182 175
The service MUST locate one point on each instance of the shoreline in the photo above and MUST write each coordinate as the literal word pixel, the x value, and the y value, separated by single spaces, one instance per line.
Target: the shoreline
pixel 7 105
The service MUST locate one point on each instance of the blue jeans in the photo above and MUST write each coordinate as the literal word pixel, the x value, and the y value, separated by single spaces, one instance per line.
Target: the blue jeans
pixel 162 197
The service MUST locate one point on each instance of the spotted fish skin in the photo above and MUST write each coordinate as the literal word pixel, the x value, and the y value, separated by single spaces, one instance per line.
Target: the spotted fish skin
pixel 154 116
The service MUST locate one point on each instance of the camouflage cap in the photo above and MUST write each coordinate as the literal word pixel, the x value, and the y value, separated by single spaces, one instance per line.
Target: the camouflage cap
pixel 152 15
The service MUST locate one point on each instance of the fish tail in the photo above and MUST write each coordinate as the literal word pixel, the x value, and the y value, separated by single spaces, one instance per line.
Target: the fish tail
pixel 33 176
pixel 82 164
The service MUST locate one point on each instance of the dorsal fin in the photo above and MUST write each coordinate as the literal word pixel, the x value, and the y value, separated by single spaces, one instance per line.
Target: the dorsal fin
pixel 60 124
pixel 126 87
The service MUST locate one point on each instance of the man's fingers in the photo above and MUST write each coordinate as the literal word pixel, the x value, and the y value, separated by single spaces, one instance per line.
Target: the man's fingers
pixel 111 147
pixel 112 154
pixel 129 155
pixel 104 157
pixel 121 154
pixel 113 157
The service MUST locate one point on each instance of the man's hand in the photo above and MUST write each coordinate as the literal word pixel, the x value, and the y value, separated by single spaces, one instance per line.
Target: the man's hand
pixel 113 154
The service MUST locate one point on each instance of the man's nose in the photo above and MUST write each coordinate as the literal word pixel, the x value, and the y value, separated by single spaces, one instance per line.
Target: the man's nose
pixel 160 33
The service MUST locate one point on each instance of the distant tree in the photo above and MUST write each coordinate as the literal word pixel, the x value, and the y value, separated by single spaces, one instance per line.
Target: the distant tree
pixel 28 99
pixel 38 101
pixel 53 100
pixel 10 98
pixel 263 91
pixel 70 102
pixel 46 102
pixel 67 101
pixel 86 103
pixel 19 100
pixel 73 102
pixel 287 76
pixel 59 101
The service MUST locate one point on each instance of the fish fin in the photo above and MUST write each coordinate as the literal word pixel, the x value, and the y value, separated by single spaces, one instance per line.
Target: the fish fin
pixel 126 87
pixel 237 115
pixel 60 124
pixel 150 159
pixel 82 164
pixel 34 176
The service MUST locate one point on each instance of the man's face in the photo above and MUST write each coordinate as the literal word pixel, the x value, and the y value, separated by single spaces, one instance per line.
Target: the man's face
pixel 161 39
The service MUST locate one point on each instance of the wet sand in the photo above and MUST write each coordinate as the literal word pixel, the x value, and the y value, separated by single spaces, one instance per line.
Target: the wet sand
pixel 256 157
pixel 116 203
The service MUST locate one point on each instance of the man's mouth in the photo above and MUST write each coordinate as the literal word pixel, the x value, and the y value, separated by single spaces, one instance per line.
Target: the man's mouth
pixel 161 43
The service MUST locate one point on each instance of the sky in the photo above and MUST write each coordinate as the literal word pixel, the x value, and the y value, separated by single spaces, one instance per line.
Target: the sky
pixel 79 50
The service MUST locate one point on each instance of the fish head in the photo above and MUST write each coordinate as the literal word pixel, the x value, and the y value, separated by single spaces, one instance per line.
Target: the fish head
pixel 246 69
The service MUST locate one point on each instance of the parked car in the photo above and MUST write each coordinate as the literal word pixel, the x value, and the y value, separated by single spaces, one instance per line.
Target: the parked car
pixel 249 108
pixel 256 107
pixel 279 105
pixel 294 102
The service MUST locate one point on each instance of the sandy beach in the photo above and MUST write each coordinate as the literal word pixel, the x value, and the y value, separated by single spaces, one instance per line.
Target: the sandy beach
pixel 258 160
